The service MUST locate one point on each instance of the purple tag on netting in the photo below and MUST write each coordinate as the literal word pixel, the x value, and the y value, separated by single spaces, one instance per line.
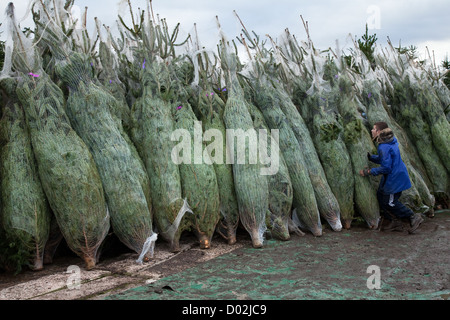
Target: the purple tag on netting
pixel 369 95
pixel 33 75
pixel 179 107
pixel 143 65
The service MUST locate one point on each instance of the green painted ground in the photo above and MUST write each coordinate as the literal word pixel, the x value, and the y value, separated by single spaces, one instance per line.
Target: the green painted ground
pixel 332 267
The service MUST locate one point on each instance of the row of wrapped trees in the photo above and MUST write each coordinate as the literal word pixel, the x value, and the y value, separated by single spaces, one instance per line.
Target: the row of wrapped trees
pixel 135 134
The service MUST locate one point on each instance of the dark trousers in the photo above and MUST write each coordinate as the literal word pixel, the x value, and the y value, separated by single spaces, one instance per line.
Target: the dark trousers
pixel 391 206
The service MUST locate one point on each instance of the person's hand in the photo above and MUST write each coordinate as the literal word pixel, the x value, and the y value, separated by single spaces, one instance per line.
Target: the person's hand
pixel 365 172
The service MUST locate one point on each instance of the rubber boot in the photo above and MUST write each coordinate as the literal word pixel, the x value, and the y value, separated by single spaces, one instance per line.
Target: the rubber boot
pixel 415 221
pixel 394 225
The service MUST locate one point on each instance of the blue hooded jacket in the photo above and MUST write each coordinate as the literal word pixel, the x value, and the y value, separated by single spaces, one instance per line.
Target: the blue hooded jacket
pixel 395 175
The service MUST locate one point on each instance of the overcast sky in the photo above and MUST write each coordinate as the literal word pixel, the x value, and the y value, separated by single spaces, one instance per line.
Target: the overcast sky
pixel 411 22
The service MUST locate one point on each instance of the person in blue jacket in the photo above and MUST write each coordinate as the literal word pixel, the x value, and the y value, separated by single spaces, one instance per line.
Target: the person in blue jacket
pixel 394 180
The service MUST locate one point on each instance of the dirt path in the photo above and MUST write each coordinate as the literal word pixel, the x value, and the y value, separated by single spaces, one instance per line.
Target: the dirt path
pixel 112 274
pixel 334 266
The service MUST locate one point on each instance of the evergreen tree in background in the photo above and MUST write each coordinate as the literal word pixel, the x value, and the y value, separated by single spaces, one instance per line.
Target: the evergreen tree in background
pixel 367 45
pixel 446 66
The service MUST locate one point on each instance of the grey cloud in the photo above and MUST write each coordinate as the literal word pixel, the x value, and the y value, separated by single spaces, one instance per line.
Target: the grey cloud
pixel 413 22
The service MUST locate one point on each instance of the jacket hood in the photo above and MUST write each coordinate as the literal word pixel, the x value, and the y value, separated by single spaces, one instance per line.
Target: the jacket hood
pixel 386 136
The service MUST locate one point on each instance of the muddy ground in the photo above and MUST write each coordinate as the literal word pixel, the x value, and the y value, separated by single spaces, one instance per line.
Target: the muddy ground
pixel 334 266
